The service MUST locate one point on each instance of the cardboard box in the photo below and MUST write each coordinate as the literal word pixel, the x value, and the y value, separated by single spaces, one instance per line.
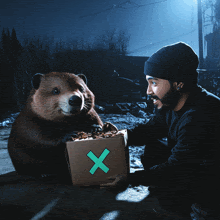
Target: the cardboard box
pixel 92 162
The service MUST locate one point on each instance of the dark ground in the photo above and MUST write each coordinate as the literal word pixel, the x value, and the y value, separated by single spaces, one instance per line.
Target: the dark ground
pixel 31 199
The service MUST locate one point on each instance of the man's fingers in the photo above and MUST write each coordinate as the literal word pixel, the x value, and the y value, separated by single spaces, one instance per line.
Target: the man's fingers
pixel 112 177
pixel 114 183
pixel 117 180
pixel 108 184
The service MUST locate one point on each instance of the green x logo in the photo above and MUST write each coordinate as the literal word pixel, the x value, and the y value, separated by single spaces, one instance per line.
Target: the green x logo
pixel 98 161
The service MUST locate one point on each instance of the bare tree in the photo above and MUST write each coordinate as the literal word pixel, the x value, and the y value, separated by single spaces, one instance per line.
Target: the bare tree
pixel 211 13
pixel 217 12
pixel 81 44
pixel 211 17
pixel 99 43
pixel 123 41
pixel 113 41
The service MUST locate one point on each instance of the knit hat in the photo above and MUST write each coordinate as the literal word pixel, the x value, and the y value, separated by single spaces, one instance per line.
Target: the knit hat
pixel 176 62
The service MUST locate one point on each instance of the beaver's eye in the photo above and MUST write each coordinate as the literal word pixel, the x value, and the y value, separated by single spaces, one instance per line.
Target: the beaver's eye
pixel 81 89
pixel 56 91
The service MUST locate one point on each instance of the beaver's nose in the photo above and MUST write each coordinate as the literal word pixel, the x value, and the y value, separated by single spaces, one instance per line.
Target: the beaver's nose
pixel 75 101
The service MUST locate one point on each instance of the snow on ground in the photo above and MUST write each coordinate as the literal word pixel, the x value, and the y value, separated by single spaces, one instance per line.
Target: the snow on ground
pixel 133 194
pixel 128 121
pixel 122 121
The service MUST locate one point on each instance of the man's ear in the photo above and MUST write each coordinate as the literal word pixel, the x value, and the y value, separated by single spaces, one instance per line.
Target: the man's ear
pixel 36 79
pixel 83 77
pixel 179 85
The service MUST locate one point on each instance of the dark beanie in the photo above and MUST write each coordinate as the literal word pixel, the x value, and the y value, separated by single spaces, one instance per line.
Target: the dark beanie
pixel 176 62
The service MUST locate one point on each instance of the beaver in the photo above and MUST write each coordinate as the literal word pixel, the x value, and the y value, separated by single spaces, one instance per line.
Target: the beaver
pixel 59 104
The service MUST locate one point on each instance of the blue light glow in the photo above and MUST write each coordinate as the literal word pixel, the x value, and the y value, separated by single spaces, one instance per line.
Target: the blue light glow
pixel 190 2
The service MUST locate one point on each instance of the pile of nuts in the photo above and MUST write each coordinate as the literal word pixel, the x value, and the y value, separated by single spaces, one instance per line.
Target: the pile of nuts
pixel 94 135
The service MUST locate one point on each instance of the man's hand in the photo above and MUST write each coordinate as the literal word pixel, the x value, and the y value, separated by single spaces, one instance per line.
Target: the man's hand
pixel 108 126
pixel 134 179
pixel 119 180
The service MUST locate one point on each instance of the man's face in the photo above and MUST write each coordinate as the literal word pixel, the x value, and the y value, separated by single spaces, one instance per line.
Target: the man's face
pixel 162 93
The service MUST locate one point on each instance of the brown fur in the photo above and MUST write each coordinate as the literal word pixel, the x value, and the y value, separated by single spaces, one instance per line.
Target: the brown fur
pixel 37 141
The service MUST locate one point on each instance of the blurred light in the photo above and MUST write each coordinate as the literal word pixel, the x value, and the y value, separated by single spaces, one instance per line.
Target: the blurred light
pixel 110 215
pixel 134 194
pixel 190 2
pixel 182 9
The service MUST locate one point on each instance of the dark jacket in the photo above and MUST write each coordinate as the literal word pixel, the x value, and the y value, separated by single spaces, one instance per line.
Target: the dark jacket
pixel 193 135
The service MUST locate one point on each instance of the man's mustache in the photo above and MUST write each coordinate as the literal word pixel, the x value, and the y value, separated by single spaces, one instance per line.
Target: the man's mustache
pixel 153 97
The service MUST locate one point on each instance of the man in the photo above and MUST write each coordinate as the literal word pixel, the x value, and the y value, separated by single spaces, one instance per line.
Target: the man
pixel 183 173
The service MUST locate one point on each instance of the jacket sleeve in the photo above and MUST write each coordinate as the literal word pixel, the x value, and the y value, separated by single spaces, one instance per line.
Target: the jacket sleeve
pixel 156 128
pixel 194 152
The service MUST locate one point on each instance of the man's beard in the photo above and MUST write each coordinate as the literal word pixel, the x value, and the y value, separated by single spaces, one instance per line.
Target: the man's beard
pixel 170 99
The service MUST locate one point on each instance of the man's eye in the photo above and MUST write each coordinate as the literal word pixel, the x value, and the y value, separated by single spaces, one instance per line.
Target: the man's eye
pixel 154 83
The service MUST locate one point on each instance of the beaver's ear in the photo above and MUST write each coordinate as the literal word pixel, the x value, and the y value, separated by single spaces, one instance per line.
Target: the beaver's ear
pixel 82 76
pixel 36 80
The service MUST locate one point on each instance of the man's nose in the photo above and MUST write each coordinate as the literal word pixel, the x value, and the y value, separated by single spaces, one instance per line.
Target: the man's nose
pixel 149 91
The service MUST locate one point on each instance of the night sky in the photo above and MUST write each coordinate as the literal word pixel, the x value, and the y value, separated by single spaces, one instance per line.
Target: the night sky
pixel 151 24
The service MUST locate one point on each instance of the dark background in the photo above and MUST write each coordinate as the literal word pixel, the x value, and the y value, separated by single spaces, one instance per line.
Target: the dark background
pixel 108 41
